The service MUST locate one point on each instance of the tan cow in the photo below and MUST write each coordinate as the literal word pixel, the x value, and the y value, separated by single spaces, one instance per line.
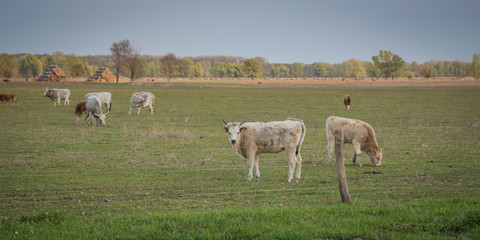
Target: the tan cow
pixel 360 134
pixel 253 138
pixel 8 97
pixel 347 100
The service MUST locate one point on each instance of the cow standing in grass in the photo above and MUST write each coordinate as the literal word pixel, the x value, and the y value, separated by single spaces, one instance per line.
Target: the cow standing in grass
pixel 360 134
pixel 141 100
pixel 94 109
pixel 253 138
pixel 104 97
pixel 347 101
pixel 81 108
pixel 8 97
pixel 56 95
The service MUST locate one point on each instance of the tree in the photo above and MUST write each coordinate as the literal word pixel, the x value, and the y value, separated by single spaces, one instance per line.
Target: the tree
pixel 8 65
pixel 297 69
pixel 170 66
pixel 319 69
pixel 475 66
pixel 409 74
pixel 252 68
pixel 372 70
pixel 29 66
pixel 198 70
pixel 186 67
pixel 133 62
pixel 389 64
pixel 427 70
pixel 206 65
pixel 120 51
pixel 355 69
pixel 219 69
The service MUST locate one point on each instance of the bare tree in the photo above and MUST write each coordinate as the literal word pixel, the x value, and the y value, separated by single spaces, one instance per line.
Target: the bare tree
pixel 120 51
pixel 170 66
pixel 133 62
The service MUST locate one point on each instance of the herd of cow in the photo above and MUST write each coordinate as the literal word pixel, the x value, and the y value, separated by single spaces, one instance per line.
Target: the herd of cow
pixel 92 103
pixel 249 138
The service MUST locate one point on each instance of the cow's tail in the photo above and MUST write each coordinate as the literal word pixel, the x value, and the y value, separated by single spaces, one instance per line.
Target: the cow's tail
pixel 304 130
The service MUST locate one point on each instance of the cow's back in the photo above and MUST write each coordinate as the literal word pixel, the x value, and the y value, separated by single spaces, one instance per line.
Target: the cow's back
pixel 352 129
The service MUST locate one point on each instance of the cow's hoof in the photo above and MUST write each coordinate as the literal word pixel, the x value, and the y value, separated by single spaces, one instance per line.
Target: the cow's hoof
pixel 258 179
pixel 297 180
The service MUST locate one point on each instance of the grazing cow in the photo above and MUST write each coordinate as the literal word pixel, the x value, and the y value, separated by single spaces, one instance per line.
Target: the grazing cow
pixel 360 134
pixel 253 138
pixel 142 99
pixel 94 108
pixel 58 94
pixel 8 97
pixel 104 97
pixel 80 109
pixel 347 101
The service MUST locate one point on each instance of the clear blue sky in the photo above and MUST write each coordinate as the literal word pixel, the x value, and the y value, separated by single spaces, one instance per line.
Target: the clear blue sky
pixel 330 31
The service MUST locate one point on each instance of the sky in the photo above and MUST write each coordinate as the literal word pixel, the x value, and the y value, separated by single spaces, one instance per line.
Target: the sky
pixel 281 31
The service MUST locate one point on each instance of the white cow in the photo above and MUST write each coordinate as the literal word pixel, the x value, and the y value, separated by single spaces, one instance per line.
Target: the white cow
pixel 360 134
pixel 142 99
pixel 57 94
pixel 94 108
pixel 253 138
pixel 104 97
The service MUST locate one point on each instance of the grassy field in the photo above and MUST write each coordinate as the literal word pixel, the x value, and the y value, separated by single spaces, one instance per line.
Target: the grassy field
pixel 174 174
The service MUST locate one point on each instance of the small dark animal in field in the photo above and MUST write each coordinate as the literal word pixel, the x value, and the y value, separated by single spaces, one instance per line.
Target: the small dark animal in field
pixel 347 101
pixel 80 109
pixel 8 97
pixel 260 83
pixel 6 80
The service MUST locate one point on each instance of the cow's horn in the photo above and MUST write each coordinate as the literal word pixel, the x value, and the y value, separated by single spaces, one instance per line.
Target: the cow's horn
pixel 224 121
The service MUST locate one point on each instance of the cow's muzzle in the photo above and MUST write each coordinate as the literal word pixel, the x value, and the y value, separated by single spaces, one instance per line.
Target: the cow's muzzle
pixel 233 141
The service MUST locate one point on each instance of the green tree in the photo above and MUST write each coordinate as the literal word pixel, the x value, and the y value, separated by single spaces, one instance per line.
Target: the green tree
pixel 427 70
pixel 8 65
pixel 252 68
pixel 198 70
pixel 186 67
pixel 219 69
pixel 475 66
pixel 297 69
pixel 372 70
pixel 355 69
pixel 29 66
pixel 206 65
pixel 319 69
pixel 409 74
pixel 389 64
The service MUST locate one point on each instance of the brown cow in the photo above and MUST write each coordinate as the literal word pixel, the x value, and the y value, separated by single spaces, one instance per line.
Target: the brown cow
pixel 80 109
pixel 8 97
pixel 347 101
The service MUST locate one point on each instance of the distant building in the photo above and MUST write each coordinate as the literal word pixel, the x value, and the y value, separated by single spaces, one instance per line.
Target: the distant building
pixel 102 75
pixel 53 73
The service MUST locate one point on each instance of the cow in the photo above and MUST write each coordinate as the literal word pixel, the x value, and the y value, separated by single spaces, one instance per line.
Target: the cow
pixel 360 134
pixel 104 97
pixel 58 94
pixel 253 138
pixel 347 101
pixel 94 108
pixel 8 97
pixel 80 109
pixel 142 99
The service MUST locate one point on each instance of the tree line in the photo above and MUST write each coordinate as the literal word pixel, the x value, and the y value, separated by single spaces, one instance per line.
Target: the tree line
pixel 126 61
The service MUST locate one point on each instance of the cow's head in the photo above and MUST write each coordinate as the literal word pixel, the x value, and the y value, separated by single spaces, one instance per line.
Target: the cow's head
pixel 47 92
pixel 101 117
pixel 376 157
pixel 233 129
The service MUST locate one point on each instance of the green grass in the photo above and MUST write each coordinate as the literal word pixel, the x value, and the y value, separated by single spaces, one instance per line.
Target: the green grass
pixel 174 174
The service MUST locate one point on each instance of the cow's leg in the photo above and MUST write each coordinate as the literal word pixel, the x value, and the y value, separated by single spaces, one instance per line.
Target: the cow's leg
pixel 58 102
pixel 250 163
pixel 257 169
pixel 67 102
pixel 291 164
pixel 298 168
pixel 330 148
pixel 139 108
pixel 151 109
pixel 129 112
pixel 357 153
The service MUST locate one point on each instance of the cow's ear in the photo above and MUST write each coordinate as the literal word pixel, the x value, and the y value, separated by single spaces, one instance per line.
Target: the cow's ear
pixel 242 129
pixel 225 129
pixel 374 152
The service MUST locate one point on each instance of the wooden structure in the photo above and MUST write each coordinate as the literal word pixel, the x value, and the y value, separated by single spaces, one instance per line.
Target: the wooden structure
pixel 102 75
pixel 53 73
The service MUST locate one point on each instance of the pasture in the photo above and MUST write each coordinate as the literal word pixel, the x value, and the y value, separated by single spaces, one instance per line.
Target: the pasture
pixel 175 175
